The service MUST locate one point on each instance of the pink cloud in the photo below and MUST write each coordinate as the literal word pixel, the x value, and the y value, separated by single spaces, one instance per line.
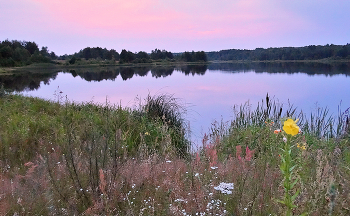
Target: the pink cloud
pixel 153 18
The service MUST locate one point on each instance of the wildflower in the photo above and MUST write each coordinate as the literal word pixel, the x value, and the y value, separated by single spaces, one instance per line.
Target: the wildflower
pixel 147 133
pixel 302 146
pixel 225 188
pixel 198 159
pixel 284 139
pixel 249 154
pixel 277 131
pixel 269 123
pixel 290 127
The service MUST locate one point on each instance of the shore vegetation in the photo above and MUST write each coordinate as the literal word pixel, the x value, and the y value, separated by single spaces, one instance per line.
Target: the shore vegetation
pixel 65 158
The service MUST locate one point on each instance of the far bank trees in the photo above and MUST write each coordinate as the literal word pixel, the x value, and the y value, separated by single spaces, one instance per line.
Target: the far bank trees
pixel 19 53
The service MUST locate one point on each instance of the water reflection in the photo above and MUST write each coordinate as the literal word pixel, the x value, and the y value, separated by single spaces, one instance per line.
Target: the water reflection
pixel 310 68
pixel 26 82
pixel 126 73
pixel 209 91
pixel 30 81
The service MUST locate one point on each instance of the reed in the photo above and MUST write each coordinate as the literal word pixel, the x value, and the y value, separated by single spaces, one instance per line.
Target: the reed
pixel 101 159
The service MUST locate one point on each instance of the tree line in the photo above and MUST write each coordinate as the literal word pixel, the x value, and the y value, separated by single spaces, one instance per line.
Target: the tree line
pixel 311 52
pixel 20 53
pixel 137 57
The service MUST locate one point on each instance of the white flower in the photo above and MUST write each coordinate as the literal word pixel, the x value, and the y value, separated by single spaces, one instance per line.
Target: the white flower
pixel 225 188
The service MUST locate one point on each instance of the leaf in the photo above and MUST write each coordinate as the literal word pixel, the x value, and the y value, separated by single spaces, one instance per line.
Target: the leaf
pixel 296 180
pixel 280 201
pixel 295 195
pixel 290 169
pixel 283 160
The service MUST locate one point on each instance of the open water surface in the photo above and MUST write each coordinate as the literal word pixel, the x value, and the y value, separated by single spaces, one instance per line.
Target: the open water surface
pixel 209 92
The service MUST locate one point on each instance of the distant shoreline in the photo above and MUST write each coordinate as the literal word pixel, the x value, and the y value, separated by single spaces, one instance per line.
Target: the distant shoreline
pixel 58 65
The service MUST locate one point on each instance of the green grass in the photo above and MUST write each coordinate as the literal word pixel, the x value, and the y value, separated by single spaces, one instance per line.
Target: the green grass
pixel 102 159
pixel 30 125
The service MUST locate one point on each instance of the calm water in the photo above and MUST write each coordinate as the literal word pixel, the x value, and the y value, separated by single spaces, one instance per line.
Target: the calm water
pixel 208 92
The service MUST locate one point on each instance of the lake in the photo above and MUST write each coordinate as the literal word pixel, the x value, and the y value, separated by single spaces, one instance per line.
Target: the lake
pixel 209 92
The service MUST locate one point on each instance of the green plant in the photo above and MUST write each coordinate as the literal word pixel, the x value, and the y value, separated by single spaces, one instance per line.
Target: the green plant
pixel 288 167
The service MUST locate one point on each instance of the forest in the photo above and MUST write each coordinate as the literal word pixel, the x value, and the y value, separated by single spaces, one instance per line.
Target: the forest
pixel 20 53
pixel 311 52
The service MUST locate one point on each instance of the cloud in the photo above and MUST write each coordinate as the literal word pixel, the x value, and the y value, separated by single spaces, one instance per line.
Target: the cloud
pixel 156 18
pixel 66 26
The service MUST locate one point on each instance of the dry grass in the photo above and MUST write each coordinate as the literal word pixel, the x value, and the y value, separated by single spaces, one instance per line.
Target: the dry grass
pixel 86 170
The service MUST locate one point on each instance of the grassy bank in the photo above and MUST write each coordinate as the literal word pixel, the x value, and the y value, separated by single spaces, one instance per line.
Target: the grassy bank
pixel 87 159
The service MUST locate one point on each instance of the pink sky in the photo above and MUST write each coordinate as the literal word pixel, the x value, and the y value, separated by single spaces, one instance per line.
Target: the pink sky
pixel 67 26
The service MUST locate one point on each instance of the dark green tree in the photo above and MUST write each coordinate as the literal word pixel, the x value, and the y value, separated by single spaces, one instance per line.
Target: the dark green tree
pixel 142 55
pixel 6 52
pixel 87 53
pixel 31 47
pixel 44 51
pixel 115 54
pixel 53 55
pixel 126 56
pixel 72 60
pixel 21 55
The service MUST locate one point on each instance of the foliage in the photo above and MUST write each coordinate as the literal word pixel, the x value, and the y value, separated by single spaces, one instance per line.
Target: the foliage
pixel 288 166
pixel 161 54
pixel 30 122
pixel 194 56
pixel 311 52
pixel 97 52
pixel 166 108
pixel 126 56
pixel 72 60
pixel 20 53
pixel 86 159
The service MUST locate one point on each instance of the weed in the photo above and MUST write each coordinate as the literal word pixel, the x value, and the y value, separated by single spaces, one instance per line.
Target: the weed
pixel 102 159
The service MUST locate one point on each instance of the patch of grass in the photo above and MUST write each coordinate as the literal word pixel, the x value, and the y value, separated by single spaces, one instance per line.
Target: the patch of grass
pixel 30 126
pixel 101 159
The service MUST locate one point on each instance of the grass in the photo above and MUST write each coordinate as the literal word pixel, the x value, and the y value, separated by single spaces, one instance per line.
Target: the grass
pixel 100 159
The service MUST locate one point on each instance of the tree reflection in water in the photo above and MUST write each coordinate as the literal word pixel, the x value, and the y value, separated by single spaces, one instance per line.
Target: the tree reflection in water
pixel 29 81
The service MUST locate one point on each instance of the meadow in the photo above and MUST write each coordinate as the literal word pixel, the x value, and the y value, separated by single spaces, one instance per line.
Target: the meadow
pixel 65 158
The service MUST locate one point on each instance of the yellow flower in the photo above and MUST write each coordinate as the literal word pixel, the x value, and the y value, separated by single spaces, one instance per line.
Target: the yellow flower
pixel 146 133
pixel 302 146
pixel 290 127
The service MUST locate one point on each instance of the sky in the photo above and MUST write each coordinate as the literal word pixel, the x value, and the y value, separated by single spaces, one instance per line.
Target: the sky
pixel 67 26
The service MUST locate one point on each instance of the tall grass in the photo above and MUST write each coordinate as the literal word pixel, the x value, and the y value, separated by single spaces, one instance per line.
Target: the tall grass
pixel 167 109
pixel 102 159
